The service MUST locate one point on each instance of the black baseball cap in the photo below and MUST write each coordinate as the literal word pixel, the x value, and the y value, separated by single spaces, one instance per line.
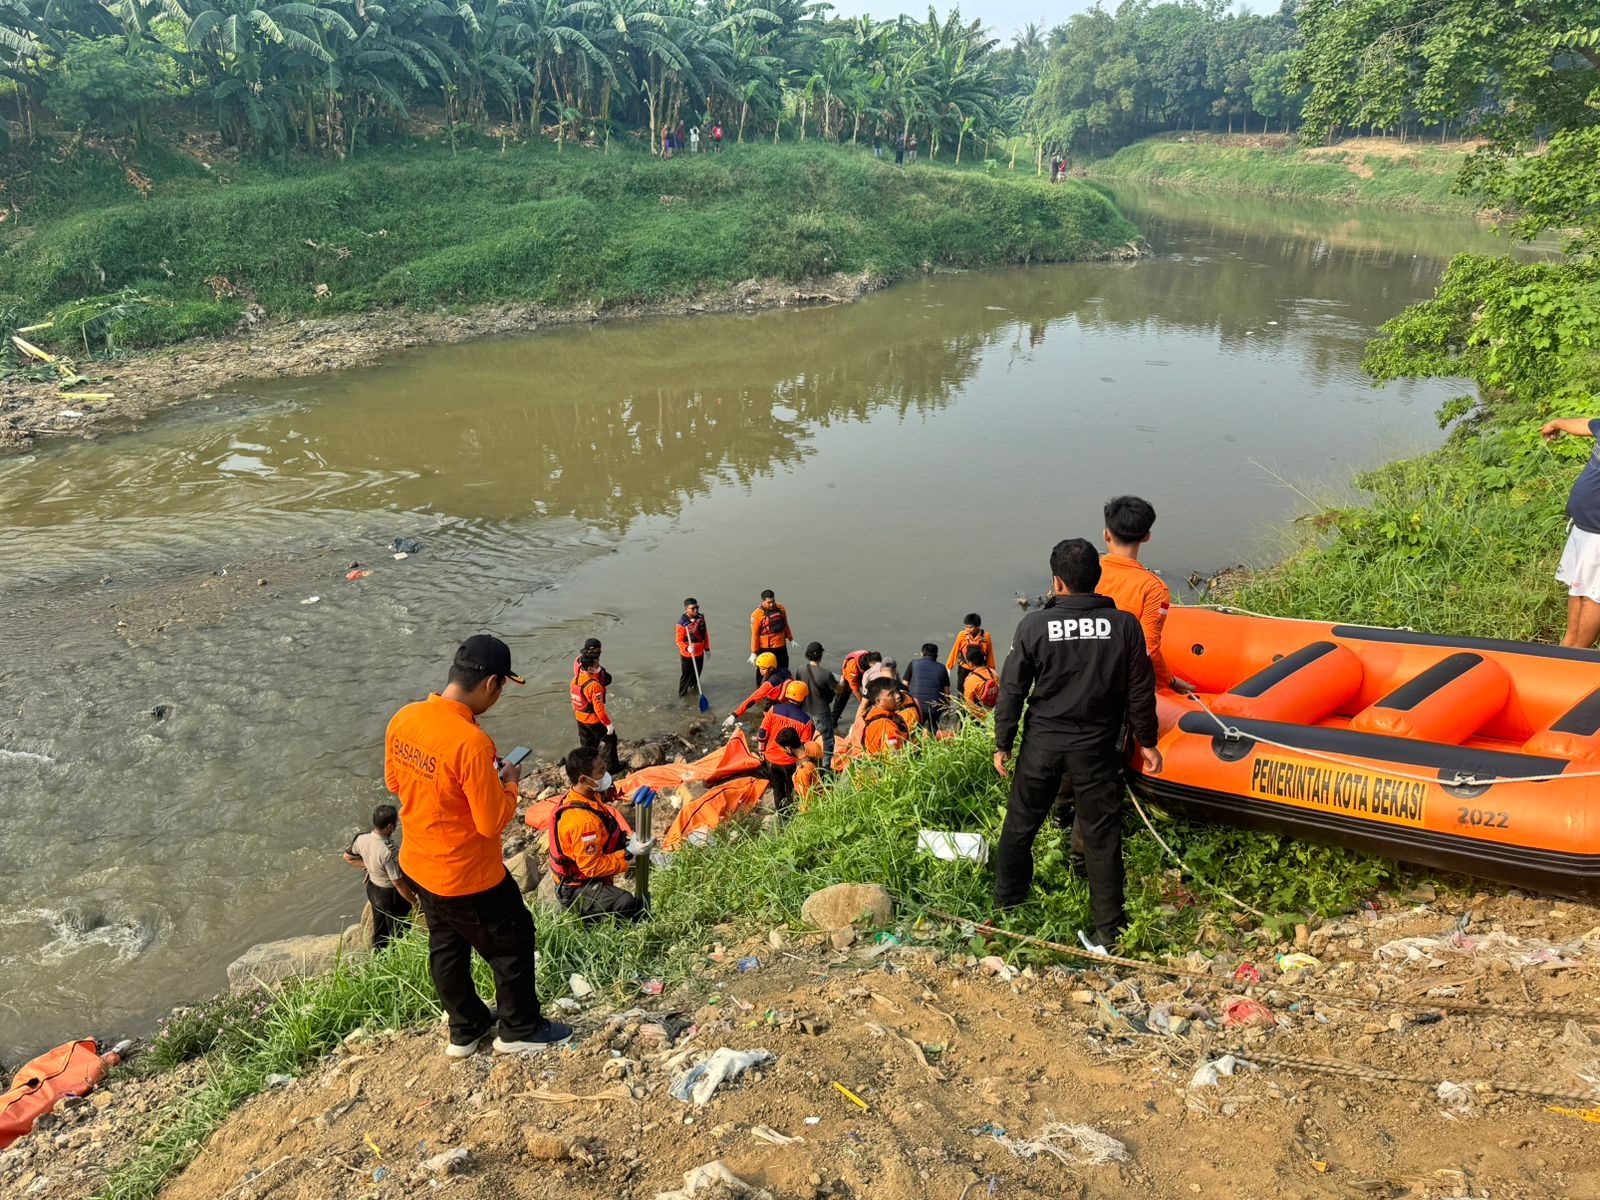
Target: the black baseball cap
pixel 814 649
pixel 484 652
pixel 591 644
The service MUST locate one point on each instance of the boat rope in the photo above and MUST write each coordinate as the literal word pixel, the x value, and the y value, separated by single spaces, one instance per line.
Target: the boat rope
pixel 1245 612
pixel 1192 873
pixel 1428 1003
pixel 1233 733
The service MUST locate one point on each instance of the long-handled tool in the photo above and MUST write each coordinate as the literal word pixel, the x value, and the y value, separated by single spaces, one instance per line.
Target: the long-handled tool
pixel 705 705
pixel 643 813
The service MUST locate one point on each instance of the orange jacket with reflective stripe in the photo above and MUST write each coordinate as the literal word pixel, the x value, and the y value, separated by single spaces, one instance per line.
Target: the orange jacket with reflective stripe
pixel 884 731
pixel 958 651
pixel 593 850
pixel 694 639
pixel 770 630
pixel 769 691
pixel 1135 588
pixel 589 700
pixel 783 715
pixel 453 803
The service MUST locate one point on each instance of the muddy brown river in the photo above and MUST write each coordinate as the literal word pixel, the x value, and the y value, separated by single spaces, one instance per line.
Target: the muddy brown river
pixel 184 750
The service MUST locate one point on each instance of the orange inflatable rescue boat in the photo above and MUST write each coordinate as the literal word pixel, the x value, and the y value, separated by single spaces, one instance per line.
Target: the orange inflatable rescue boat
pixel 1465 754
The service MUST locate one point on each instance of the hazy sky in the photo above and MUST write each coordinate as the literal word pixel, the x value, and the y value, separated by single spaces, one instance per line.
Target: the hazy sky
pixel 1005 17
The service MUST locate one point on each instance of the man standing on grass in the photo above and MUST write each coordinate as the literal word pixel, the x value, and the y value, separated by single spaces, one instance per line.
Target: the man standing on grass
pixel 1080 666
pixel 455 799
pixel 1580 561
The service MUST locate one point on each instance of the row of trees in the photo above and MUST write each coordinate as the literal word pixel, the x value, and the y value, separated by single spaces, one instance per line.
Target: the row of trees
pixel 330 75
pixel 334 74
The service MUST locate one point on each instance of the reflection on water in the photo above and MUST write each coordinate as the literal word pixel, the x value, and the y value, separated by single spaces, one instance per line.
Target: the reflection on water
pixel 183 751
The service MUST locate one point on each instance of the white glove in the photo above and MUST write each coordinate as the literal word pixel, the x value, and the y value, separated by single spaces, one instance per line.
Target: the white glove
pixel 610 729
pixel 793 645
pixel 752 659
pixel 639 846
pixel 730 722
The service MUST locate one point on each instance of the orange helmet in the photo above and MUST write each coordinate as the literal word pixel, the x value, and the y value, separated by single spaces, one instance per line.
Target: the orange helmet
pixel 795 691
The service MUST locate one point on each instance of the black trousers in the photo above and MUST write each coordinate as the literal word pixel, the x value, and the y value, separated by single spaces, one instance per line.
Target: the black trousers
pixel 590 736
pixel 781 654
pixel 687 679
pixel 961 680
pixel 781 780
pixel 497 924
pixel 389 909
pixel 601 898
pixel 1096 775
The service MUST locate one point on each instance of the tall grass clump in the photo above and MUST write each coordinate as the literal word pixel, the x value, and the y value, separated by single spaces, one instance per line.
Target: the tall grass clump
pixel 420 227
pixel 861 828
pixel 1420 178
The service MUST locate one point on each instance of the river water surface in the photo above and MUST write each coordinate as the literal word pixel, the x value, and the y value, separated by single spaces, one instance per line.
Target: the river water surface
pixel 183 751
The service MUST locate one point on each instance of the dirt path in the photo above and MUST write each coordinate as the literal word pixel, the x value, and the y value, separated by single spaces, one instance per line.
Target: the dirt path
pixel 1012 1054
pixel 145 383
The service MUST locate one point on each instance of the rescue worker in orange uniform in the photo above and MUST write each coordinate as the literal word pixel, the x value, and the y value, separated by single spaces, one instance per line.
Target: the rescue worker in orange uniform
pixel 770 631
pixel 589 708
pixel 982 689
pixel 1132 586
pixel 770 681
pixel 972 633
pixel 854 666
pixel 788 713
pixel 590 845
pixel 694 643
pixel 885 728
pixel 455 799
pixel 809 769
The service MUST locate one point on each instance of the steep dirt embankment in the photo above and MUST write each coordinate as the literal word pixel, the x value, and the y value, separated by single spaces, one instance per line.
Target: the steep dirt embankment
pixel 949 1056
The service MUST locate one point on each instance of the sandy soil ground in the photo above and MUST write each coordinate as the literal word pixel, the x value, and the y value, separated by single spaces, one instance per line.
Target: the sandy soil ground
pixel 960 1066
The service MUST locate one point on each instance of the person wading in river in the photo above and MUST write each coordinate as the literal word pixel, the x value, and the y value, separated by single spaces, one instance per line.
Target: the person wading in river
pixel 589 708
pixel 770 631
pixel 694 643
pixel 1080 667
pixel 455 800
pixel 1580 560
pixel 388 892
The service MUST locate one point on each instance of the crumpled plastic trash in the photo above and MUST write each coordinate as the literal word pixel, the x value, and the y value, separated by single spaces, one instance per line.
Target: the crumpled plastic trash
pixel 710 1176
pixel 998 967
pixel 748 963
pixel 702 1080
pixel 580 986
pixel 405 545
pixel 1247 973
pixel 1518 951
pixel 448 1163
pixel 1297 962
pixel 1209 1072
pixel 1454 1095
pixel 949 846
pixel 1074 1145
pixel 1245 1011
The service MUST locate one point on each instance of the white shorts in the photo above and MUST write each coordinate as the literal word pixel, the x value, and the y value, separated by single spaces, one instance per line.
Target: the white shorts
pixel 1580 564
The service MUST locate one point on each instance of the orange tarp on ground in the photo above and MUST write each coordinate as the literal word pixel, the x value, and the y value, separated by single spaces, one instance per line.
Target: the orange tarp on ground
pixel 71 1069
pixel 704 814
pixel 538 815
pixel 733 759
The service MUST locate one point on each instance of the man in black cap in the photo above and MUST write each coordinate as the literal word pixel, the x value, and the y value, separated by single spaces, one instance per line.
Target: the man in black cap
pixel 455 799
pixel 822 687
pixel 1081 666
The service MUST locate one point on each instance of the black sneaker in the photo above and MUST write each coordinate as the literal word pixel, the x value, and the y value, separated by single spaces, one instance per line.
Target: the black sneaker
pixel 548 1034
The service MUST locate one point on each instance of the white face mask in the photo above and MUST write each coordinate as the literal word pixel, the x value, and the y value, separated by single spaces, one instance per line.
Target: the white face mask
pixel 605 783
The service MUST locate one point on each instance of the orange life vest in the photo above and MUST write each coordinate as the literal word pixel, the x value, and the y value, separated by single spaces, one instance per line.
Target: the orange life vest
pixel 563 865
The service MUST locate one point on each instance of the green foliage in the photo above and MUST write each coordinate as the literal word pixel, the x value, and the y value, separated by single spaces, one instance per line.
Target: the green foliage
pixel 863 828
pixel 424 227
pixel 1512 71
pixel 1422 178
pixel 1115 77
pixel 100 85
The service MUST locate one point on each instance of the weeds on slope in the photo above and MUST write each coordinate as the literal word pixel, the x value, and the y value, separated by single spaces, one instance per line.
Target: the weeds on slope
pixel 861 828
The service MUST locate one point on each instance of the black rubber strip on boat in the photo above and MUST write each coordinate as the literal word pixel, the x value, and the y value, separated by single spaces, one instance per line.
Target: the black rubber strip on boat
pixel 1412 693
pixel 1450 760
pixel 1276 673
pixel 1407 637
pixel 1563 871
pixel 1583 718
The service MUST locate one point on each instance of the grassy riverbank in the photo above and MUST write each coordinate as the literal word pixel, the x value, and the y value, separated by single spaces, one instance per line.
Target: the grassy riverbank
pixel 861 831
pixel 1380 171
pixel 421 227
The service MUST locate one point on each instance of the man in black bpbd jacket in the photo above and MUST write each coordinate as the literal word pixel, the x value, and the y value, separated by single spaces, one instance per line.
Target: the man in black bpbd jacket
pixel 1080 665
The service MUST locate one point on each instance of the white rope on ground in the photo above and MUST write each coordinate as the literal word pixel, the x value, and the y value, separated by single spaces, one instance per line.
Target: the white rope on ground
pixel 1193 874
pixel 1233 733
